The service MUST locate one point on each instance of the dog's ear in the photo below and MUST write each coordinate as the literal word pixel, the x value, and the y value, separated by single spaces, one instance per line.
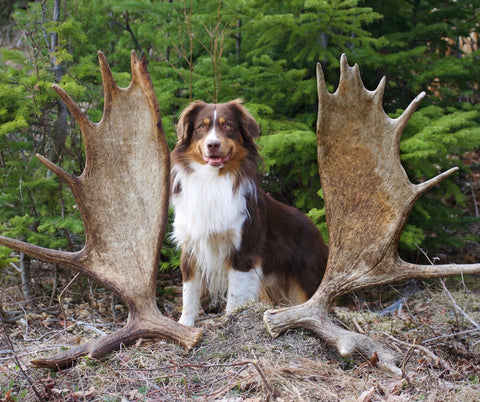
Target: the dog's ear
pixel 186 120
pixel 248 125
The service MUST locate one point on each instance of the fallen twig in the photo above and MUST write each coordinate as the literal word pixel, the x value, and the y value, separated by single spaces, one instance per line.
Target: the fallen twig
pixel 455 304
pixel 475 324
pixel 436 338
pixel 18 362
pixel 207 366
pixel 89 326
pixel 442 281
pixel 423 349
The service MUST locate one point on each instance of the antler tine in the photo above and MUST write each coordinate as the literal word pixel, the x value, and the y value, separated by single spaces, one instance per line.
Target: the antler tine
pixel 346 76
pixel 110 87
pixel 136 66
pixel 379 91
pixel 62 174
pixel 321 85
pixel 72 260
pixel 77 113
pixel 422 187
pixel 140 76
pixel 402 121
pixel 323 95
pixel 343 65
pixel 357 77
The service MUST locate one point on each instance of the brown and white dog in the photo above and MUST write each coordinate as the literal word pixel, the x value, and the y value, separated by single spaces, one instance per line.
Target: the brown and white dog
pixel 236 240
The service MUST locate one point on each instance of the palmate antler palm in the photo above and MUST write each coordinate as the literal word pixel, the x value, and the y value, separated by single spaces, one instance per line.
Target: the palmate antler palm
pixel 368 198
pixel 123 197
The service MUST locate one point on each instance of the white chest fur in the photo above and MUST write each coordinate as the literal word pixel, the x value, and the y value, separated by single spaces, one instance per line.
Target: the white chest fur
pixel 208 222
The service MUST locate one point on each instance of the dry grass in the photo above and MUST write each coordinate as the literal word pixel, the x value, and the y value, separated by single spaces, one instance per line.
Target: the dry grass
pixel 237 360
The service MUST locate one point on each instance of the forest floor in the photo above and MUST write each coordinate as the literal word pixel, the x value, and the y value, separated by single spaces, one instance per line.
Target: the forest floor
pixel 434 326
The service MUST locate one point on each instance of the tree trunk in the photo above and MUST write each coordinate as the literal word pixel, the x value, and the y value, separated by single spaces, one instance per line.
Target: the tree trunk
pixel 26 276
pixel 60 131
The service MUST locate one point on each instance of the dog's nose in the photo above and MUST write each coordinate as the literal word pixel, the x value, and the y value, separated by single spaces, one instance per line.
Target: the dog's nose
pixel 213 145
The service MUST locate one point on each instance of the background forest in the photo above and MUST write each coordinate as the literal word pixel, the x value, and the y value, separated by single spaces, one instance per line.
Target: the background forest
pixel 263 52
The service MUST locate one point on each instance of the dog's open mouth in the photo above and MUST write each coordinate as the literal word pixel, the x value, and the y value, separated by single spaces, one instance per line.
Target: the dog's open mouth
pixel 217 160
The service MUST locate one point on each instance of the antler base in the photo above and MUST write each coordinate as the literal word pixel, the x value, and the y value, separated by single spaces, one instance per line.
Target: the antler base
pixel 153 326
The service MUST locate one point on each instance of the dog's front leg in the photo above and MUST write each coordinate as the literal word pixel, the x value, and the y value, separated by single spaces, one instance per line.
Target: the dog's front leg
pixel 243 287
pixel 192 292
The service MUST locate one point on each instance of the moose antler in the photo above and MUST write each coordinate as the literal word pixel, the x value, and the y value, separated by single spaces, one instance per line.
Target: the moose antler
pixel 123 197
pixel 368 198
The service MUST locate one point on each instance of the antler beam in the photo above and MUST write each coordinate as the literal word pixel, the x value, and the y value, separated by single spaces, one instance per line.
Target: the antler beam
pixel 368 198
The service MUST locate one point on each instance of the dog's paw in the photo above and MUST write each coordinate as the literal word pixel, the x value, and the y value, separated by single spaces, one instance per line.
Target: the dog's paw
pixel 188 321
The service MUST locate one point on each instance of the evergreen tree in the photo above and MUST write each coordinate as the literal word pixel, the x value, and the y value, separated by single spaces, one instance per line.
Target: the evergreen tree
pixel 431 47
pixel 263 53
pixel 34 206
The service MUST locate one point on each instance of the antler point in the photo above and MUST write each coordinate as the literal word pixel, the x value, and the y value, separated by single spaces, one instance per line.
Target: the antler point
pixel 343 63
pixel 134 56
pixel 380 89
pixel 58 89
pixel 420 96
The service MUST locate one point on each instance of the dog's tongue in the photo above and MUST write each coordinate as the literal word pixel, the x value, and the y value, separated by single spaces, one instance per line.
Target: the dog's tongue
pixel 217 160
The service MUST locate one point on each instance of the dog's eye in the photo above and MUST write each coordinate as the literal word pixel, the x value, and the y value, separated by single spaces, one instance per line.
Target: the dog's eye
pixel 201 126
pixel 228 126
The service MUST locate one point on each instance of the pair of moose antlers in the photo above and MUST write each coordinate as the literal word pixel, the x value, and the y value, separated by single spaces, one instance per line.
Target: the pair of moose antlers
pixel 123 196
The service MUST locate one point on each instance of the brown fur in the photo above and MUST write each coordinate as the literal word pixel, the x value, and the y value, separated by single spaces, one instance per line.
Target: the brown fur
pixel 290 248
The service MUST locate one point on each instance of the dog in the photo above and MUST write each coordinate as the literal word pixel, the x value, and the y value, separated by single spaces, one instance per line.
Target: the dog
pixel 235 239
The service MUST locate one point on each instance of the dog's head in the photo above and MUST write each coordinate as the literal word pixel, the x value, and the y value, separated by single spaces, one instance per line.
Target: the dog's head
pixel 220 135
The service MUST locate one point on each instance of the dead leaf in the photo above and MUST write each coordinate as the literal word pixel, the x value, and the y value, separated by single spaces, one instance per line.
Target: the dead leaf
pixel 374 360
pixel 396 387
pixel 367 396
pixel 84 394
pixel 8 397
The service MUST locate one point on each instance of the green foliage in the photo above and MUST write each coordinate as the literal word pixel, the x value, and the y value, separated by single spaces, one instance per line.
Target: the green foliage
pixel 262 52
pixel 433 141
pixel 291 167
pixel 424 50
pixel 33 205
pixel 318 217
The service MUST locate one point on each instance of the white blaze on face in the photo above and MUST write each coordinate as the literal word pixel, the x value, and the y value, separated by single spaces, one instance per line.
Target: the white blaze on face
pixel 212 135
